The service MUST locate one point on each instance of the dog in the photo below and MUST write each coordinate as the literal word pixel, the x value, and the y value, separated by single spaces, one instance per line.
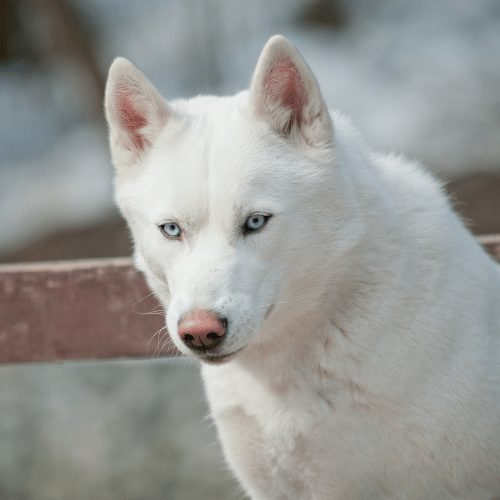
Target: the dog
pixel 347 322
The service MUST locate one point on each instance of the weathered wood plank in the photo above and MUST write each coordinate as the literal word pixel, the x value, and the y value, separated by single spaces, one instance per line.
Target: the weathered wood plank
pixel 78 310
pixel 96 309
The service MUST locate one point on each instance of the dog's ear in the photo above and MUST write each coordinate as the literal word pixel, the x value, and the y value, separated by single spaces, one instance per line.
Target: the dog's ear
pixel 285 92
pixel 135 112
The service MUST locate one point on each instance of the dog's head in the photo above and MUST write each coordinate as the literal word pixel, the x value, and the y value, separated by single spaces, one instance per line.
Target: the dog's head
pixel 236 204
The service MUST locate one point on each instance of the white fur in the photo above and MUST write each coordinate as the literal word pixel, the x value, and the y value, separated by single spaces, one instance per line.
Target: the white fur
pixel 367 316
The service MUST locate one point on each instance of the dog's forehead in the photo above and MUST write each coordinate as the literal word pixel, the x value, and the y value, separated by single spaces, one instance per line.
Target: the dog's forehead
pixel 214 161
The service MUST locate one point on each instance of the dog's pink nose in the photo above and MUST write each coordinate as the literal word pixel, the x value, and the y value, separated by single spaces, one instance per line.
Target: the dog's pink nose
pixel 202 330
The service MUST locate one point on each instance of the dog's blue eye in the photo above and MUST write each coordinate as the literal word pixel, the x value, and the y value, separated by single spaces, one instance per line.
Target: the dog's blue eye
pixel 255 222
pixel 171 229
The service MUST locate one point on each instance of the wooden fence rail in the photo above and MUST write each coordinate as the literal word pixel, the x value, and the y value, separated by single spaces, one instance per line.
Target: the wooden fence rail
pixel 72 310
pixel 96 309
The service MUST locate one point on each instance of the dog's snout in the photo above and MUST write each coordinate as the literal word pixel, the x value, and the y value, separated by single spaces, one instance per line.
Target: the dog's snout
pixel 202 330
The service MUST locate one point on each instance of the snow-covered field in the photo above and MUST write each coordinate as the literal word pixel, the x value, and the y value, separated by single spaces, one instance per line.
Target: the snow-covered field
pixel 108 431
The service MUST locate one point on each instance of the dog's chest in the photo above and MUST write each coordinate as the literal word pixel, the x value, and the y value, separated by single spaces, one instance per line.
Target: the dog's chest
pixel 273 438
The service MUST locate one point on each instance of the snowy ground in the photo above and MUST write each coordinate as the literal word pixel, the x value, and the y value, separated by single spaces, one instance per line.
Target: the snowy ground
pixel 108 431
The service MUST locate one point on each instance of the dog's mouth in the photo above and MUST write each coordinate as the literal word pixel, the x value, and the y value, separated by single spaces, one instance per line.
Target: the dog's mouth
pixel 218 359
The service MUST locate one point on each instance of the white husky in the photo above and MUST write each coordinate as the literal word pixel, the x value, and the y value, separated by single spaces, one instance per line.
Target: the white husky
pixel 348 323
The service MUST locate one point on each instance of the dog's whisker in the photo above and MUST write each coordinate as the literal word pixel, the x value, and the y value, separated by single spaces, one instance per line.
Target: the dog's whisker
pixel 167 343
pixel 156 334
pixel 151 313
pixel 142 299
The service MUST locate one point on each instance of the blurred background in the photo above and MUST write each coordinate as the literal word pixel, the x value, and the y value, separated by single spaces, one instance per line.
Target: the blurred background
pixel 418 78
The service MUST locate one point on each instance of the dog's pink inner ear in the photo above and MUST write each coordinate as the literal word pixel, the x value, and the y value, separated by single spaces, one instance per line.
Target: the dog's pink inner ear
pixel 283 85
pixel 132 120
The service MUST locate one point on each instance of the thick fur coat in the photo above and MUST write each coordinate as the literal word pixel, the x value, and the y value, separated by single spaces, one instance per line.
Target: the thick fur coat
pixel 361 358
